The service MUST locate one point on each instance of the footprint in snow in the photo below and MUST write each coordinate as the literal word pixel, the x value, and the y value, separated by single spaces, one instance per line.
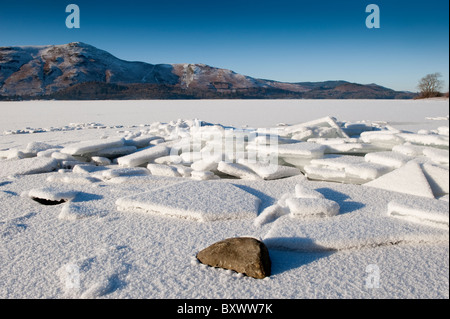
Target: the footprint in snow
pixel 95 276
pixel 10 228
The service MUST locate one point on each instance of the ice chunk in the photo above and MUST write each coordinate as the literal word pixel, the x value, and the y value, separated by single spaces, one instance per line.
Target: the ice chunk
pixel 383 139
pixel 325 174
pixel 344 145
pixel 35 165
pixel 184 171
pixel 323 127
pixel 47 153
pixel 101 161
pixel 312 207
pixel 302 149
pixel 36 147
pixel 237 170
pixel 356 170
pixel 303 135
pixel 438 178
pixel 87 147
pixel 197 200
pixel 355 129
pixel 339 233
pixel 63 157
pixel 171 159
pixel 203 175
pixel 426 139
pixel 269 171
pixel 409 149
pixel 431 212
pixel 115 151
pixel 408 179
pixel 144 156
pixel 12 154
pixel 142 141
pixel 204 165
pixel 87 169
pixel 269 214
pixel 437 155
pixel 114 172
pixel 302 191
pixel 163 170
pixel 190 157
pixel 391 159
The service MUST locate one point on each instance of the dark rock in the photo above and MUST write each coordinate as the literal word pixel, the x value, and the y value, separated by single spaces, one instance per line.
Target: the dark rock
pixel 244 255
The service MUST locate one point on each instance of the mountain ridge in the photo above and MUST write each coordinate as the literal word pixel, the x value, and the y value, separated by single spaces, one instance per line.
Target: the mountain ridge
pixel 81 71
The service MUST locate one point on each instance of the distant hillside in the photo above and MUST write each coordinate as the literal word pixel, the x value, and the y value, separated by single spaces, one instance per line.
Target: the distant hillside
pixel 78 71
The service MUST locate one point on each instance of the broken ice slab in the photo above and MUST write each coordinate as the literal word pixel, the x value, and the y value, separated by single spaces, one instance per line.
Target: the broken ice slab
pixel 409 179
pixel 323 127
pixel 87 168
pixel 12 154
pixel 355 129
pixel 386 139
pixel 205 165
pixel 306 208
pixel 301 191
pixel 434 140
pixel 196 200
pixel 114 152
pixel 114 171
pixel 327 174
pixel 298 154
pixel 143 156
pixel 344 169
pixel 409 149
pixel 390 159
pixel 190 157
pixel 430 212
pixel 348 232
pixel 237 170
pixel 270 214
pixel 344 146
pixel 438 178
pixel 170 159
pixel 27 166
pixel 87 147
pixel 203 175
pixel 269 171
pixel 439 156
pixel 141 141
pixel 163 170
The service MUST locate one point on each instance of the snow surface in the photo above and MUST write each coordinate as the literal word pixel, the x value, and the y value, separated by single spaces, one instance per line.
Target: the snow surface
pixel 356 184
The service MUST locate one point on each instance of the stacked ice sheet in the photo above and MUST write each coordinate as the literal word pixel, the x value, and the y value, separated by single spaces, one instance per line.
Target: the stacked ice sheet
pixel 324 149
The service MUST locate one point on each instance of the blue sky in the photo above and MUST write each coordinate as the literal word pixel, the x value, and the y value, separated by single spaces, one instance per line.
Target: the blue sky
pixel 284 40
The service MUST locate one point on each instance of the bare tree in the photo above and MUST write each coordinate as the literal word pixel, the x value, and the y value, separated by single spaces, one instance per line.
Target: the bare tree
pixel 430 85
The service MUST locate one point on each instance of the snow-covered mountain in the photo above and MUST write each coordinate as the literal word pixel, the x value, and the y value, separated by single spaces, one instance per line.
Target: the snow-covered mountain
pixel 78 70
pixel 47 69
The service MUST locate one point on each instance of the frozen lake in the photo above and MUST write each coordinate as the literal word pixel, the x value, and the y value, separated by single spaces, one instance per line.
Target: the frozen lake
pixel 102 211
pixel 403 114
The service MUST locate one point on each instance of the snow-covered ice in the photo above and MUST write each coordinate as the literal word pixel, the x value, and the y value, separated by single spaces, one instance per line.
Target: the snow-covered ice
pixel 119 209
pixel 27 166
pixel 202 201
pixel 408 179
pixel 434 213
